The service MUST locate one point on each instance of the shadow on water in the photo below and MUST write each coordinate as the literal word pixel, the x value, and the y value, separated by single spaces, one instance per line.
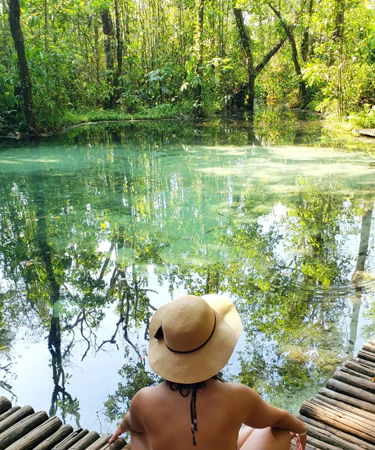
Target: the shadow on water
pixel 103 224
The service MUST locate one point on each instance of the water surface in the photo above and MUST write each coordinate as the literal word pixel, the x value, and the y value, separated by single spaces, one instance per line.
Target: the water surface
pixel 104 224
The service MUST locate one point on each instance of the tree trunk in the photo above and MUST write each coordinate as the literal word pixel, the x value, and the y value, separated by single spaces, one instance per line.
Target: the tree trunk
pixel 198 89
pixel 16 31
pixel 303 94
pixel 108 32
pixel 305 44
pixel 120 44
pixel 112 35
pixel 252 71
pixel 359 273
pixel 246 45
pixel 338 32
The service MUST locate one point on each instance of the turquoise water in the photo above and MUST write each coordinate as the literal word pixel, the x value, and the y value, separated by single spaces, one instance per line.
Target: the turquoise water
pixel 104 224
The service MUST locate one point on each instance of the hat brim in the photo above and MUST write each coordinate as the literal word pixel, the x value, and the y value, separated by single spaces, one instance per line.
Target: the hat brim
pixel 208 360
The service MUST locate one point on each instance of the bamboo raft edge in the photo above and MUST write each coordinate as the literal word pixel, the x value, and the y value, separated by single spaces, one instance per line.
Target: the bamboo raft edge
pixel 21 428
pixel 342 415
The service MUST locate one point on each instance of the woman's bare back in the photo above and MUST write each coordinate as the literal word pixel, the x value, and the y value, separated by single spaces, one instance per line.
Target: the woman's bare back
pixel 164 417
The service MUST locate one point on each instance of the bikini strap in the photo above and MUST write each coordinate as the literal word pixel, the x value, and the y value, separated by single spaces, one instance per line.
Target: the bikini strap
pixel 193 414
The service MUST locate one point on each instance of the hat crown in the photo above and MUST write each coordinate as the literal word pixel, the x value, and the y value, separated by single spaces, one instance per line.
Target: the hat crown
pixel 188 324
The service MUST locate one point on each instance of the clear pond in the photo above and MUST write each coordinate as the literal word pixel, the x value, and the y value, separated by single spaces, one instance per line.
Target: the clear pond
pixel 101 225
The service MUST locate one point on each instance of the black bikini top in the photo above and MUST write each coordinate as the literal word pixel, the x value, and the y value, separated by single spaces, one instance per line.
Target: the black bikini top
pixel 184 390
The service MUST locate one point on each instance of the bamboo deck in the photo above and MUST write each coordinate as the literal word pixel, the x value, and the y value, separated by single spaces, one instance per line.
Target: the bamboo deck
pixel 340 417
pixel 25 429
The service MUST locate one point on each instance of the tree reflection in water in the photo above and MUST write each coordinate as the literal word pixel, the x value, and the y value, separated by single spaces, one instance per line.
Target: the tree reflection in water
pixel 206 208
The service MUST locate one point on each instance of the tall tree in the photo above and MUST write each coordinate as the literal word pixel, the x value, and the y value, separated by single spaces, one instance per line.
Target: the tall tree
pixel 306 37
pixel 199 45
pixel 252 70
pixel 26 87
pixel 303 94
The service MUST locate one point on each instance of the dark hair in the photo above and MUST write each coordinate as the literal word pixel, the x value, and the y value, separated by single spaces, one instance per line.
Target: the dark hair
pixel 185 389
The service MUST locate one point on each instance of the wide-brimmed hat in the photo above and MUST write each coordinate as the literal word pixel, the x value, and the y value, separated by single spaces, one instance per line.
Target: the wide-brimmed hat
pixel 192 338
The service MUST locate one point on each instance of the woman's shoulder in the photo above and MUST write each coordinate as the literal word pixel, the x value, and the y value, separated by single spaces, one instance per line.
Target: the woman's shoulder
pixel 238 389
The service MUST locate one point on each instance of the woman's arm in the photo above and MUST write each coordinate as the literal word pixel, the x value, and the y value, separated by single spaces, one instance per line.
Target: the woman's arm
pixel 123 427
pixel 257 413
pixel 130 421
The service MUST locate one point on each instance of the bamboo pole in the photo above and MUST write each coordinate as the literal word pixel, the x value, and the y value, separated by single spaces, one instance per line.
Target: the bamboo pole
pixel 347 389
pixel 71 439
pixel 357 411
pixel 102 444
pixel 4 404
pixel 321 445
pixel 21 428
pixel 368 386
pixel 360 368
pixel 365 363
pixel 334 433
pixel 9 412
pixel 36 436
pixel 17 416
pixel 87 440
pixel 356 374
pixel 55 438
pixel 342 420
pixel 365 406
pixel 369 356
pixel 369 347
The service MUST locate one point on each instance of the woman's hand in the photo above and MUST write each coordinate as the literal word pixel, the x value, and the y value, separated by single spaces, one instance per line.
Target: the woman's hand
pixel 301 440
pixel 116 434
pixel 122 428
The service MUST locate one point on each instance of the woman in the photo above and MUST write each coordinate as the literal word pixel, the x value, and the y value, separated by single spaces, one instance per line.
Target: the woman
pixel 191 340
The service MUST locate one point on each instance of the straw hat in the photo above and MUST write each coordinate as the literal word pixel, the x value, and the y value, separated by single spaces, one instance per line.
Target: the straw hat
pixel 192 338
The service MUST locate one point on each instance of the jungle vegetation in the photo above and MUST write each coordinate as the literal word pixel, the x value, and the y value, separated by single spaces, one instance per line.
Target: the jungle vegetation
pixel 125 58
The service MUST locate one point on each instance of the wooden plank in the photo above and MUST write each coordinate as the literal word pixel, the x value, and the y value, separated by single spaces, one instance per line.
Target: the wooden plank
pixel 347 389
pixel 368 386
pixel 18 415
pixel 335 433
pixel 71 439
pixel 365 406
pixel 4 404
pixel 9 412
pixel 37 435
pixel 18 430
pixel 357 411
pixel 353 365
pixel 342 420
pixel 55 438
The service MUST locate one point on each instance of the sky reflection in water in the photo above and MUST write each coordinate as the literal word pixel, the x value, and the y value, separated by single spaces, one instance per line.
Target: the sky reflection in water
pixel 100 229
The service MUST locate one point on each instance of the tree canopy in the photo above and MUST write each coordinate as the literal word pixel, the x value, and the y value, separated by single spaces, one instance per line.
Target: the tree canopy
pixel 182 57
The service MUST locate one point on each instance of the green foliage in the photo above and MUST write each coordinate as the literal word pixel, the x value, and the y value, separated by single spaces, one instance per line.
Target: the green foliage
pixel 68 58
pixel 365 118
